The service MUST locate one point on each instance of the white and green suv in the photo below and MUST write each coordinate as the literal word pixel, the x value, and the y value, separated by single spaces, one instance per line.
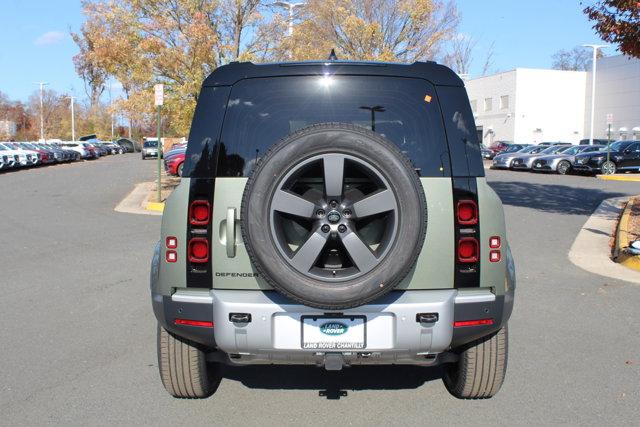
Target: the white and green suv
pixel 333 214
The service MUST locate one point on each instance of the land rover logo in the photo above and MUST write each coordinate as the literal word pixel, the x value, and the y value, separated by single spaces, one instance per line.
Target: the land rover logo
pixel 333 328
pixel 333 217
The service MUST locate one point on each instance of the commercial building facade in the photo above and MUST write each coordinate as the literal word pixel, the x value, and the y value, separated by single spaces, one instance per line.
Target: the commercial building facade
pixel 532 105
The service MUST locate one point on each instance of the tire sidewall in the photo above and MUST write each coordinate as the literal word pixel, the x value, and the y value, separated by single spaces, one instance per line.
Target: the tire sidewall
pixel 353 141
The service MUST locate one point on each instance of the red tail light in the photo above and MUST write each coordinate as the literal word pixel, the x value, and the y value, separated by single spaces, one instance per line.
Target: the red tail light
pixel 171 256
pixel 479 322
pixel 468 249
pixel 171 242
pixel 467 212
pixel 198 250
pixel 199 212
pixel 187 322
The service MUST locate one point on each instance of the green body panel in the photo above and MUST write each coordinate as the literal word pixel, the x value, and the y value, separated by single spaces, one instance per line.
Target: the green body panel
pixel 434 269
pixel 174 223
pixel 492 274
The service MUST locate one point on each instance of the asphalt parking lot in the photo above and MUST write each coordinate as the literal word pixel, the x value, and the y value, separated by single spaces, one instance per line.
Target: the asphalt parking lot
pixel 78 334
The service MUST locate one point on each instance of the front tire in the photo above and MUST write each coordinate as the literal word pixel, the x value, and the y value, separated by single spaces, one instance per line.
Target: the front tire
pixel 183 368
pixel 608 168
pixel 563 167
pixel 481 369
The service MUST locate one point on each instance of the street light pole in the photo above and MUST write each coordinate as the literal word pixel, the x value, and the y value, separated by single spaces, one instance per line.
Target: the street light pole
pixel 593 84
pixel 42 85
pixel 290 6
pixel 73 120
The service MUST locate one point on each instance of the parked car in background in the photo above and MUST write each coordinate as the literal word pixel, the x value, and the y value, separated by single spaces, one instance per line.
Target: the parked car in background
pixel 623 156
pixel 149 149
pixel 44 156
pixel 78 147
pixel 173 165
pixel 563 162
pixel 499 146
pixel 526 161
pixel 486 153
pixel 128 145
pixel 504 160
pixel 595 141
pixel 14 158
pixel 28 158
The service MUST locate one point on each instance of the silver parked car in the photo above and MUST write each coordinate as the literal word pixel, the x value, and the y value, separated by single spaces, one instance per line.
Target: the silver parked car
pixel 563 162
pixel 503 160
pixel 526 161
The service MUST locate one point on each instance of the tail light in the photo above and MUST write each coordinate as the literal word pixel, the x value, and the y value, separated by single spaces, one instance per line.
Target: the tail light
pixel 494 243
pixel 171 242
pixel 467 212
pixel 198 250
pixel 171 256
pixel 468 250
pixel 199 212
pixel 188 322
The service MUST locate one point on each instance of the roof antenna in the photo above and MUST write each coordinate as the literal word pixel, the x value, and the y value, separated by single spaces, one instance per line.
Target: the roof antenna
pixel 333 56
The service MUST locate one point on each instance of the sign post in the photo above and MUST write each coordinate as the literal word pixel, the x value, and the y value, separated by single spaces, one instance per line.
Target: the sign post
pixel 609 120
pixel 159 100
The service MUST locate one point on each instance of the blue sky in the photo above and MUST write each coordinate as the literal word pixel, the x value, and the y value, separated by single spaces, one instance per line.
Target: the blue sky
pixel 35 44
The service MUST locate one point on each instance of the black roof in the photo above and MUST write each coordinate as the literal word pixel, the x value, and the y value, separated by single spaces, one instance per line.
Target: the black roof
pixel 435 73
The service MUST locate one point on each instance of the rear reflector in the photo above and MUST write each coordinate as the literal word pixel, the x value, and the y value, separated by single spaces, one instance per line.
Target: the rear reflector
pixel 198 250
pixel 171 242
pixel 494 256
pixel 467 212
pixel 494 242
pixel 199 212
pixel 479 322
pixel 171 256
pixel 188 322
pixel 468 249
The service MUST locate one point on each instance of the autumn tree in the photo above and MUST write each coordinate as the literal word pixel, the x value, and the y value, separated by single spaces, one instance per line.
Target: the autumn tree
pixel 576 59
pixel 90 71
pixel 385 30
pixel 617 21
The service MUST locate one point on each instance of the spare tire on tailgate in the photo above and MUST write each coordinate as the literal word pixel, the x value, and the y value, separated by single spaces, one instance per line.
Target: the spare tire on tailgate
pixel 334 216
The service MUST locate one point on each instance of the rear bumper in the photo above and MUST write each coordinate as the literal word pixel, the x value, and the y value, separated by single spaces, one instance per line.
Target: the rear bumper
pixel 273 335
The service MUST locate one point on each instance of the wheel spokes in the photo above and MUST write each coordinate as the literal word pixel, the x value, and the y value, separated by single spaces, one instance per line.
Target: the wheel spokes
pixel 359 253
pixel 333 165
pixel 306 256
pixel 382 201
pixel 286 202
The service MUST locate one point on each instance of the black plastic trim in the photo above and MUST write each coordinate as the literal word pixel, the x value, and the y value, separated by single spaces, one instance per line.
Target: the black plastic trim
pixel 466 275
pixel 167 311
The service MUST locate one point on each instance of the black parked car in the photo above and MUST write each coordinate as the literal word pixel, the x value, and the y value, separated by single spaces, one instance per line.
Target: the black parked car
pixel 595 141
pixel 625 156
pixel 128 145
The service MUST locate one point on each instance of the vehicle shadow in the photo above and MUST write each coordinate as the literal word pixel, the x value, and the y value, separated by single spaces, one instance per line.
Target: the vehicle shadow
pixel 331 384
pixel 551 198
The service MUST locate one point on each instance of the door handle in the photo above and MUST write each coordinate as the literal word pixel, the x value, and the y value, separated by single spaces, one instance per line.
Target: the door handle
pixel 231 232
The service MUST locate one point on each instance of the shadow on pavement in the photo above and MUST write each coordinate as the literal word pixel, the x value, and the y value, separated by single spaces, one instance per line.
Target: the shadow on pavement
pixel 551 197
pixel 332 385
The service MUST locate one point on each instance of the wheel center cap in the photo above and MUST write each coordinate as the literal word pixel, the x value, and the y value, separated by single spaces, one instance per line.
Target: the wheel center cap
pixel 333 217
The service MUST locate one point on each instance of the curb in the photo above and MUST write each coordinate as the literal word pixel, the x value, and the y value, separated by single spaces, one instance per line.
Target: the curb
pixel 155 206
pixel 628 260
pixel 591 251
pixel 628 178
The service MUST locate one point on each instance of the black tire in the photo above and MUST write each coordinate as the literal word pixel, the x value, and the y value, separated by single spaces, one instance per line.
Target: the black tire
pixel 180 169
pixel 183 367
pixel 349 140
pixel 608 168
pixel 563 167
pixel 480 371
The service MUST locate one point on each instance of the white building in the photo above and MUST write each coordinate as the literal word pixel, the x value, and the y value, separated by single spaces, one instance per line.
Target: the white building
pixel 531 105
pixel 618 94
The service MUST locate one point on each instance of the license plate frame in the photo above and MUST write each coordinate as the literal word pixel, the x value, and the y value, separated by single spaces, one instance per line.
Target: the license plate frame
pixel 333 344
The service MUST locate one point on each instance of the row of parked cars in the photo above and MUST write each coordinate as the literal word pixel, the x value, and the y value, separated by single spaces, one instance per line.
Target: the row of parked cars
pixel 173 158
pixel 564 158
pixel 30 154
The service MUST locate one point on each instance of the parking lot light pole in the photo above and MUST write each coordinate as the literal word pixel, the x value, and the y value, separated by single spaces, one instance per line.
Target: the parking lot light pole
pixel 73 120
pixel 290 6
pixel 159 99
pixel 42 85
pixel 593 84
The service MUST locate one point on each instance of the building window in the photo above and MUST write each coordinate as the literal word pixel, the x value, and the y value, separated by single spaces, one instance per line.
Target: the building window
pixel 487 104
pixel 504 102
pixel 474 105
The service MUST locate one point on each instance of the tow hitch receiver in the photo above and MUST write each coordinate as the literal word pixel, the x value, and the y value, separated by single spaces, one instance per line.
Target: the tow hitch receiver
pixel 333 361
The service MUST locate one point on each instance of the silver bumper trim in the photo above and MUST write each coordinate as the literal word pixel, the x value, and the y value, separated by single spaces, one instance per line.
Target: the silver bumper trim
pixel 198 297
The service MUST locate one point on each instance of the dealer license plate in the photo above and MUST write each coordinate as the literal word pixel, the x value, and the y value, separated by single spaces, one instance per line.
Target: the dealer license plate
pixel 334 333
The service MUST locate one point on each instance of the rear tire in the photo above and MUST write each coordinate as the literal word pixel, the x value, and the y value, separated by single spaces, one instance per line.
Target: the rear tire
pixel 180 170
pixel 183 368
pixel 481 369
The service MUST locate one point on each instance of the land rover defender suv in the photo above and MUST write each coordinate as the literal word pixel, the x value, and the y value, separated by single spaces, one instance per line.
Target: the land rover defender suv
pixel 333 214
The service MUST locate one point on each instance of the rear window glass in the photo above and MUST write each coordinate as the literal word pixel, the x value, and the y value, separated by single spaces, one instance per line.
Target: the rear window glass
pixel 262 111
pixel 148 144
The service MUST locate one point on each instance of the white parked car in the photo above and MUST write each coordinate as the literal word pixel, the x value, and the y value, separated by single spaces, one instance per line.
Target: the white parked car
pixel 15 158
pixel 77 147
